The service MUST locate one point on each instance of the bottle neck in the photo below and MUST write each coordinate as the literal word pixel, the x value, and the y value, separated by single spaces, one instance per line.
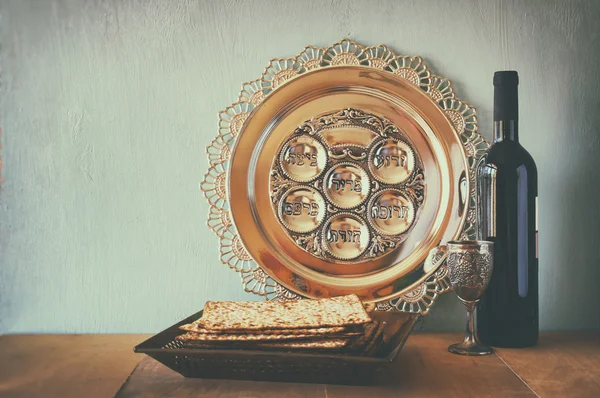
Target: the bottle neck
pixel 506 106
pixel 506 130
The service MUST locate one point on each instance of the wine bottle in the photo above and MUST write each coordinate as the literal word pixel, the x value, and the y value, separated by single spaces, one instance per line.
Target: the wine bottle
pixel 507 314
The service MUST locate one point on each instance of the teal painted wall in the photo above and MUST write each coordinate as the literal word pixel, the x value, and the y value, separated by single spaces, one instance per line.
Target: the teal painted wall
pixel 107 106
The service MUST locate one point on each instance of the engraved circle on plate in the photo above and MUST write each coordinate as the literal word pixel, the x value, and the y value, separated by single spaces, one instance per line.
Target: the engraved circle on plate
pixel 302 209
pixel 391 161
pixel 303 158
pixel 347 185
pixel 391 212
pixel 345 236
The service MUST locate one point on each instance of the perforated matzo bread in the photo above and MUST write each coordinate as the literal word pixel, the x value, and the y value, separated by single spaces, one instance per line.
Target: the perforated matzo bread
pixel 336 311
pixel 222 337
pixel 311 345
pixel 360 342
pixel 295 345
pixel 194 327
pixel 375 340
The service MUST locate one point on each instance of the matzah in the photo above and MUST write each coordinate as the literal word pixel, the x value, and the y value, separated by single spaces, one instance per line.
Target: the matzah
pixel 376 339
pixel 337 311
pixel 359 343
pixel 310 345
pixel 323 344
pixel 194 327
pixel 222 337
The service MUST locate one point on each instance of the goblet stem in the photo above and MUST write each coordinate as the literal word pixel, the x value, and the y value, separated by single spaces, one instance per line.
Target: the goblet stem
pixel 470 345
pixel 470 336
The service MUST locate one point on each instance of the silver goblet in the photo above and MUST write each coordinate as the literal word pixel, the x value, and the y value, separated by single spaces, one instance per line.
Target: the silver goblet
pixel 470 265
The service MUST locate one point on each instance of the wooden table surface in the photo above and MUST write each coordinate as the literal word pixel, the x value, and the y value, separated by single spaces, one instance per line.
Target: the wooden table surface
pixel 562 365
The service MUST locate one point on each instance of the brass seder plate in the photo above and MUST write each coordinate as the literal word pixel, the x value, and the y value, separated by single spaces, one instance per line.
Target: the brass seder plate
pixel 338 172
pixel 343 180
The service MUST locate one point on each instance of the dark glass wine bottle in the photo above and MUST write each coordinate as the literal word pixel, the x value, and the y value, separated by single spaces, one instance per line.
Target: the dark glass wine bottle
pixel 507 315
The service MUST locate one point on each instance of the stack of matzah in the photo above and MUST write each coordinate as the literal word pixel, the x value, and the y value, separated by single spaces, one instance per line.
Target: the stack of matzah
pixel 338 324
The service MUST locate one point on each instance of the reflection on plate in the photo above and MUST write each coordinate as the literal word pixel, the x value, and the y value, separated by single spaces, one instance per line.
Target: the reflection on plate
pixel 391 161
pixel 301 209
pixel 303 158
pixel 391 212
pixel 345 236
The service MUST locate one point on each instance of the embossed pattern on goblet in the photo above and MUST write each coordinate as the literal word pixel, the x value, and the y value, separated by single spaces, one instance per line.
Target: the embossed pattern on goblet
pixel 470 265
pixel 470 271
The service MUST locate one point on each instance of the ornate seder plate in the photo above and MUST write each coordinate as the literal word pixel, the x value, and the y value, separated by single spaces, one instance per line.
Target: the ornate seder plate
pixel 338 172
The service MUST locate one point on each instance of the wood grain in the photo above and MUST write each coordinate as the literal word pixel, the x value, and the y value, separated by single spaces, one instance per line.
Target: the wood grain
pixel 561 365
pixel 152 379
pixel 425 368
pixel 65 365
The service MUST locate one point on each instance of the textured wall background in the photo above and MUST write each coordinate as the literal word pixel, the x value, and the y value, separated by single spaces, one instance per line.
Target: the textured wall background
pixel 107 106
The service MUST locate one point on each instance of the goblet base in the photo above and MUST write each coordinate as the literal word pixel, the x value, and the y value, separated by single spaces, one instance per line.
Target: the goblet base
pixel 470 348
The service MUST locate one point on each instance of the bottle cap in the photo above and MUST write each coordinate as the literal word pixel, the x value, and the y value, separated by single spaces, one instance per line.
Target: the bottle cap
pixel 506 78
pixel 506 102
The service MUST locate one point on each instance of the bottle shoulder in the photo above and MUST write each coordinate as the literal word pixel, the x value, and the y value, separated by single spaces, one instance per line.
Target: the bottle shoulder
pixel 509 153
